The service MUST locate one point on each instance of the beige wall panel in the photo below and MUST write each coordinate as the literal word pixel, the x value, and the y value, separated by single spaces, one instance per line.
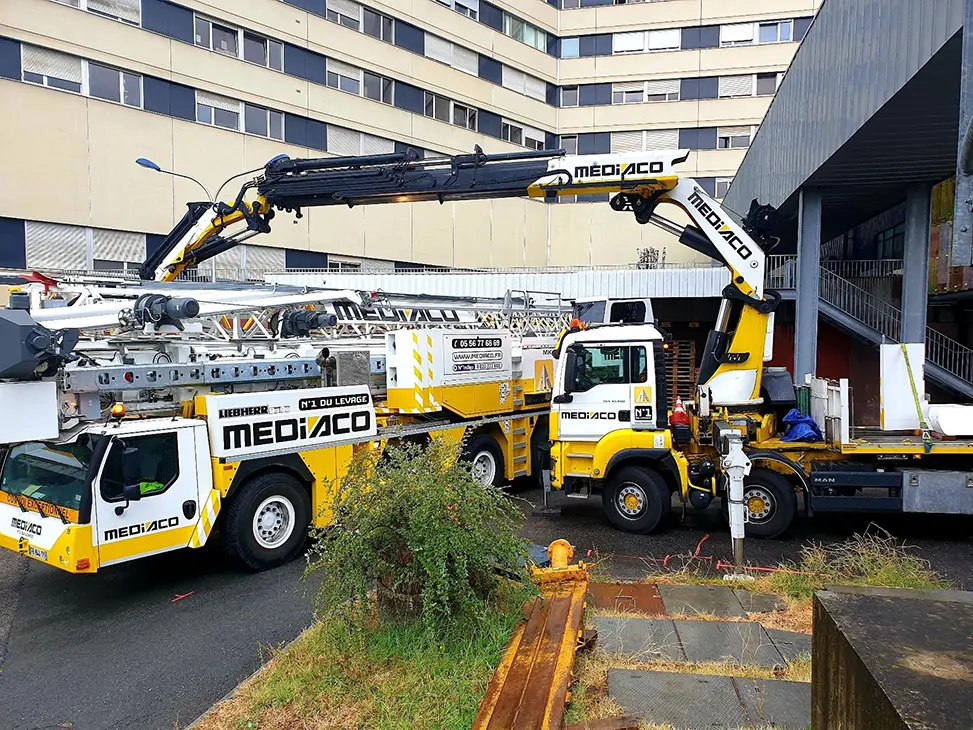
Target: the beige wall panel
pixel 634 66
pixel 509 232
pixel 122 194
pixel 439 20
pixel 62 28
pixel 539 13
pixel 269 17
pixel 238 79
pixel 472 240
pixel 748 110
pixel 525 57
pixel 359 113
pixel 745 59
pixel 719 11
pixel 535 250
pixel 55 127
pixel 209 154
pixel 670 14
pixel 719 162
pixel 575 70
pixel 572 120
pixel 388 232
pixel 432 233
pixel 337 229
pixel 287 230
pixel 516 106
pixel 571 232
pixel 435 135
pixel 655 115
pixel 615 237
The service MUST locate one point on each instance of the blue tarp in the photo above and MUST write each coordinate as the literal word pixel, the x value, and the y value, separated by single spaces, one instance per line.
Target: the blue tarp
pixel 801 427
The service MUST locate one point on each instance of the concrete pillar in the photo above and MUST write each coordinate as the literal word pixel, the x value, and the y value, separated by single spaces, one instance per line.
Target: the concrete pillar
pixel 961 253
pixel 808 283
pixel 915 264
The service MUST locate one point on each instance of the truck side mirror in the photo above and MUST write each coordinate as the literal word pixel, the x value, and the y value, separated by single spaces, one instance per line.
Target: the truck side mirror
pixel 570 373
pixel 131 473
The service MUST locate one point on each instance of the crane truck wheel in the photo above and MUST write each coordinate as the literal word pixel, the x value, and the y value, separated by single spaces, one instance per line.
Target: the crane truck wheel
pixel 267 520
pixel 485 458
pixel 770 502
pixel 637 500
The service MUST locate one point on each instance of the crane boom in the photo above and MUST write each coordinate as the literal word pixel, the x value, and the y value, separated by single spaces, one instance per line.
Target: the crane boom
pixel 638 181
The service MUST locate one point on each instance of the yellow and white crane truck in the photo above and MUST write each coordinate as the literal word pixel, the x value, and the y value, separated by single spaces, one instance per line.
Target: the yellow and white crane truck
pixel 235 411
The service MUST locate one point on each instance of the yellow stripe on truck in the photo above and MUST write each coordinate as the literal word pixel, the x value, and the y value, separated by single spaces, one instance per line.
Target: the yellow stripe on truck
pixel 157 542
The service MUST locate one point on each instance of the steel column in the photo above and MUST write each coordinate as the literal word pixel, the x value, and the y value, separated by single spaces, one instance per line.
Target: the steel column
pixel 961 253
pixel 915 261
pixel 808 283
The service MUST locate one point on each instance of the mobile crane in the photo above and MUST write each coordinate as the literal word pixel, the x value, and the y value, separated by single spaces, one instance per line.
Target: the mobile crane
pixel 148 440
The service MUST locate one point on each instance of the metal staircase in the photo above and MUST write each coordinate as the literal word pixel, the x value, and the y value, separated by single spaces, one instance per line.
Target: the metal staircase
pixel 948 362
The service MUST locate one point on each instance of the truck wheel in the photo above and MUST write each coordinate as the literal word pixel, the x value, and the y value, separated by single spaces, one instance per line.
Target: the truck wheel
pixel 770 502
pixel 636 500
pixel 266 523
pixel 486 459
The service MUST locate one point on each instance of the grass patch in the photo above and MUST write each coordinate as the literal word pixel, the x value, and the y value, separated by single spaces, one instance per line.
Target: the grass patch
pixel 341 674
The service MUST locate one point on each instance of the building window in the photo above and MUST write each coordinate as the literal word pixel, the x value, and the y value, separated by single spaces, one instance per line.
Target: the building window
pixel 524 32
pixel 736 34
pixel 446 110
pixel 344 12
pixel 263 51
pixel 570 144
pixel 114 85
pixel 733 137
pixel 343 265
pixel 779 32
pixel 263 122
pixel 533 138
pixel 570 4
pixel 723 186
pixel 628 93
pixel 512 132
pixel 570 47
pixel 344 76
pixel 50 68
pixel 665 40
pixel 767 84
pixel 730 86
pixel 469 8
pixel 216 110
pixel 377 25
pixel 569 96
pixel 462 59
pixel 890 243
pixel 628 42
pixel 377 88
pixel 665 90
pixel 216 37
pixel 129 11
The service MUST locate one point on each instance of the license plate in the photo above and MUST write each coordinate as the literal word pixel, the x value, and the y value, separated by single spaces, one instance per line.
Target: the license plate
pixel 37 553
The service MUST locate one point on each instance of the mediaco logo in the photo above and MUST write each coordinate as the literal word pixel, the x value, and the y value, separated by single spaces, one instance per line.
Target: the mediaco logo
pixel 613 169
pixel 719 225
pixel 25 527
pixel 141 528
pixel 589 416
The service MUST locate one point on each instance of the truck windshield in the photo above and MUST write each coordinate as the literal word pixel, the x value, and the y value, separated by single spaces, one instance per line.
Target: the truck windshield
pixel 589 312
pixel 54 473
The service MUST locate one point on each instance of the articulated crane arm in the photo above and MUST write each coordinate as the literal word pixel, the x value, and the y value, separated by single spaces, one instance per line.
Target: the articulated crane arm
pixel 640 182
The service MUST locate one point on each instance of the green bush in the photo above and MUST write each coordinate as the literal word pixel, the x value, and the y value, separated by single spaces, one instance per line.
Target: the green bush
pixel 414 524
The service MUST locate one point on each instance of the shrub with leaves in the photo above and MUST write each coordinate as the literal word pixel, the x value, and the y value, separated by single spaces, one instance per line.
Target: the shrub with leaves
pixel 414 522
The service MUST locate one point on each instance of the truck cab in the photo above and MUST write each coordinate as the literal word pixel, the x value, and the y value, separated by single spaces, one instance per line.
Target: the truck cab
pixel 603 310
pixel 106 493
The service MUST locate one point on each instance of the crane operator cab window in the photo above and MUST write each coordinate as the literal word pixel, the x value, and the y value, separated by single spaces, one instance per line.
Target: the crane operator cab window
pixel 157 466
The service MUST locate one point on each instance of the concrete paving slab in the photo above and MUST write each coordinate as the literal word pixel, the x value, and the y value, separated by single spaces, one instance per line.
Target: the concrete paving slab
pixel 685 701
pixel 775 703
pixel 695 600
pixel 759 602
pixel 626 567
pixel 790 644
pixel 640 639
pixel 741 642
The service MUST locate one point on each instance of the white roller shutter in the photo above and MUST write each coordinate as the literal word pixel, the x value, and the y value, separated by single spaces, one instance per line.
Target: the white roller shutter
pixel 628 86
pixel 343 141
pixel 439 49
pixel 117 245
pixel 736 33
pixel 345 7
pixel 55 246
pixel 628 42
pixel 259 259
pixel 129 10
pixel 627 141
pixel 664 86
pixel 217 102
pixel 665 40
pixel 344 69
pixel 372 145
pixel 514 79
pixel 662 139
pixel 466 60
pixel 535 88
pixel 736 85
pixel 228 264
pixel 51 63
pixel 732 131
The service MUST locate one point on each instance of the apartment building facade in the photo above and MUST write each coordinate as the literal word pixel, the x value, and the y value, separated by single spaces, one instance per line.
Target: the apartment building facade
pixel 212 88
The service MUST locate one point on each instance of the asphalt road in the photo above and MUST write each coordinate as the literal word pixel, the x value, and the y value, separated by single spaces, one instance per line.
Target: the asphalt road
pixel 113 650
